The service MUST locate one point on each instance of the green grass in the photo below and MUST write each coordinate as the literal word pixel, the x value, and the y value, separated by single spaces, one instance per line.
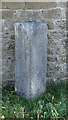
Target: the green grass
pixel 51 105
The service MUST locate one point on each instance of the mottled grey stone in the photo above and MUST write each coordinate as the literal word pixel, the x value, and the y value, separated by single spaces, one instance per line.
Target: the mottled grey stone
pixel 30 59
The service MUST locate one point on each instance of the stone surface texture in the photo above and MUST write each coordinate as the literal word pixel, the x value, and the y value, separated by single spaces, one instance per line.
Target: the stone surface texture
pixel 52 13
pixel 31 59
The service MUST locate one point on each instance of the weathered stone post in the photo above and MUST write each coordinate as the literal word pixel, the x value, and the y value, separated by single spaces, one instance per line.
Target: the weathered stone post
pixel 30 59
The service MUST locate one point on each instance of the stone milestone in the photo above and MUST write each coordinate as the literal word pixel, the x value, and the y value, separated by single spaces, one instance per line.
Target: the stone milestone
pixel 30 59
